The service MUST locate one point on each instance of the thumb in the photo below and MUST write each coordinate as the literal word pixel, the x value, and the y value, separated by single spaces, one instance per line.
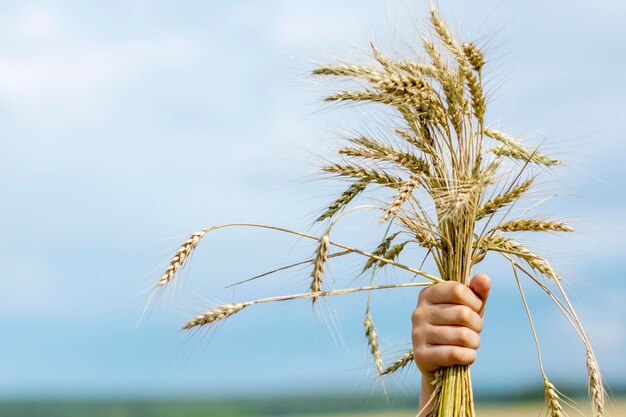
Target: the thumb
pixel 481 285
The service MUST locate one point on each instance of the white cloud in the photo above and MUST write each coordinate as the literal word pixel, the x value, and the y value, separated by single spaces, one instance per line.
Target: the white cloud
pixel 54 70
pixel 75 75
pixel 35 23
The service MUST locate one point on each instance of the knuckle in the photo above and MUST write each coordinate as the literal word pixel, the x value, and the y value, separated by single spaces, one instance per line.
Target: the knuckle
pixel 418 352
pixel 457 292
pixel 416 334
pixel 466 336
pixel 419 335
pixel 464 315
pixel 462 356
pixel 471 357
pixel 417 316
pixel 454 356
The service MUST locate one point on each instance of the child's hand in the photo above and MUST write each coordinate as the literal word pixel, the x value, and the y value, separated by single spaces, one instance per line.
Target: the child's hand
pixel 446 324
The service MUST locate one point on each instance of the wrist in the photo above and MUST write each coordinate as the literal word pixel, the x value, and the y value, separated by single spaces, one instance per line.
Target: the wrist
pixel 426 392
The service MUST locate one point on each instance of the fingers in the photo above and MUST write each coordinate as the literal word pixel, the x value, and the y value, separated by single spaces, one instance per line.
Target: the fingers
pixel 451 292
pixel 481 286
pixel 447 322
pixel 455 315
pixel 444 356
pixel 453 336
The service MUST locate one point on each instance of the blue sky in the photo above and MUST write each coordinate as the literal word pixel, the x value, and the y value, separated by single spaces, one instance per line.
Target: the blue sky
pixel 127 125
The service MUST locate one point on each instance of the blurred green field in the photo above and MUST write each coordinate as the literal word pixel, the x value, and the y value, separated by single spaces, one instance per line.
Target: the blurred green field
pixel 617 408
pixel 289 407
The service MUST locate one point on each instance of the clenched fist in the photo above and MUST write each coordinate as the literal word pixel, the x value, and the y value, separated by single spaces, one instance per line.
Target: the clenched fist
pixel 446 326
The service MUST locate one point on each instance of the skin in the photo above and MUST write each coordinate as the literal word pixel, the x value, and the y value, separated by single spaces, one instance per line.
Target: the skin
pixel 447 323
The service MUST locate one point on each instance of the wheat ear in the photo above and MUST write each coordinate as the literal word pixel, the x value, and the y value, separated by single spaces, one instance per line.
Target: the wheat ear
pixel 217 314
pixel 404 193
pixel 596 389
pixel 555 409
pixel 382 60
pixel 503 199
pixel 321 256
pixel 500 243
pixel 444 35
pixel 380 250
pixel 181 256
pixel 474 55
pixel 393 253
pixel 372 341
pixel 399 363
pixel 370 175
pixel 513 149
pixel 531 225
pixel 343 200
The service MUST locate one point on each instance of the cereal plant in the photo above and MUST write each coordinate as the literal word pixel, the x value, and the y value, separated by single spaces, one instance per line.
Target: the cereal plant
pixel 455 181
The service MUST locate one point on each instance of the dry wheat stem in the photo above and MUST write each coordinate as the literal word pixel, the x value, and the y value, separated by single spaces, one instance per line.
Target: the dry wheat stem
pixel 551 394
pixel 282 268
pixel 227 310
pixel 557 302
pixel 529 316
pixel 308 236
pixel 596 388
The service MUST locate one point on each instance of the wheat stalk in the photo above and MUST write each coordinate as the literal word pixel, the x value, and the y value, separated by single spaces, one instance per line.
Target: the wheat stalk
pixel 224 311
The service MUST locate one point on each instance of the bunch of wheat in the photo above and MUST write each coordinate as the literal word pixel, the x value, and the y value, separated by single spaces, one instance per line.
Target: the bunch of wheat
pixel 447 155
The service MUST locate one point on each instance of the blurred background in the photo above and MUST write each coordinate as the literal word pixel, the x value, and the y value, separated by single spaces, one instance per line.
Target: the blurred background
pixel 127 125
